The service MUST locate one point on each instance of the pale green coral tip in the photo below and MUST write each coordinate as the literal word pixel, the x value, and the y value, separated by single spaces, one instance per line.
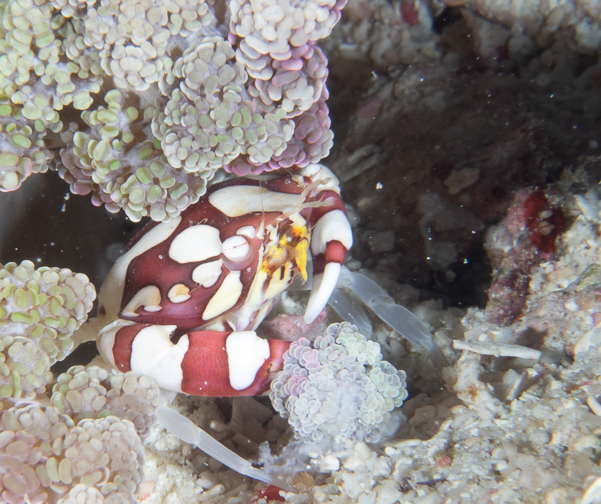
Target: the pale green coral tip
pixel 145 153
pixel 157 169
pixel 32 113
pixel 168 182
pixel 109 131
pixel 82 100
pixel 21 141
pixel 131 113
pixel 8 159
pixel 143 175
pixel 106 116
pixel 112 96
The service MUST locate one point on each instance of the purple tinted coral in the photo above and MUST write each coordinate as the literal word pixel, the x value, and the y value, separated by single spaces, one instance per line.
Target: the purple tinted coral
pixel 164 100
pixel 294 90
pixel 312 139
pixel 44 458
pixel 95 392
pixel 338 388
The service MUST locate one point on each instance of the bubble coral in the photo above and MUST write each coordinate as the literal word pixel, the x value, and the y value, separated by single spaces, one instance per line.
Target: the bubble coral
pixel 39 311
pixel 131 40
pixel 338 388
pixel 86 447
pixel 22 147
pixel 294 90
pixel 95 392
pixel 120 171
pixel 311 141
pixel 271 31
pixel 35 84
pixel 211 119
pixel 45 458
pixel 166 100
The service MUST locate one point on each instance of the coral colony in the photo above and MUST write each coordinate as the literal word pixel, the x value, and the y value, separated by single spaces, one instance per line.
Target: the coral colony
pixel 168 96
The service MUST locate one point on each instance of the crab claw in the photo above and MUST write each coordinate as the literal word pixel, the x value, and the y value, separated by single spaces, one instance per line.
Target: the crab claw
pixel 331 238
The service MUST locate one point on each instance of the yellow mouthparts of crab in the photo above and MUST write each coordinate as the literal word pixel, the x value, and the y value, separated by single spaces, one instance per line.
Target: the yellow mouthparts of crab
pixel 291 247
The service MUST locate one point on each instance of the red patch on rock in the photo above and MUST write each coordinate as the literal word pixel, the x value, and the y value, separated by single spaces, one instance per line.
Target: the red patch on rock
pixel 544 222
pixel 269 493
pixel 409 14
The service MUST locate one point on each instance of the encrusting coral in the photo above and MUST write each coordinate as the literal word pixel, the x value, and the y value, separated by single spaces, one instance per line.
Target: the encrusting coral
pixel 521 241
pixel 166 100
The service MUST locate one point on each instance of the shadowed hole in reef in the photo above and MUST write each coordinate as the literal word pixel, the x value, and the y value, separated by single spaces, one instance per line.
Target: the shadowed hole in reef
pixel 82 355
pixel 446 18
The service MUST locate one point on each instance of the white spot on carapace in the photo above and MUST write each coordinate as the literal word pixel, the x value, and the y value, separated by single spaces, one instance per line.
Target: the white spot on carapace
pixel 153 354
pixel 235 201
pixel 246 353
pixel 195 243
pixel 236 248
pixel 111 292
pixel 333 226
pixel 249 231
pixel 208 273
pixel 149 297
pixel 106 339
pixel 226 296
pixel 179 293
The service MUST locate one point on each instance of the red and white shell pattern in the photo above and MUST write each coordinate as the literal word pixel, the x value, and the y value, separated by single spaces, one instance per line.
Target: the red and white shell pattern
pixel 183 301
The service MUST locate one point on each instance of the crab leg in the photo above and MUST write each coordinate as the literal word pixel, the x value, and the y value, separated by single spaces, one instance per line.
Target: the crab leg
pixel 205 363
pixel 190 433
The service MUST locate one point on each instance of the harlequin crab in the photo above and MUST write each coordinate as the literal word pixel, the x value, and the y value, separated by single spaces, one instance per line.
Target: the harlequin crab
pixel 183 302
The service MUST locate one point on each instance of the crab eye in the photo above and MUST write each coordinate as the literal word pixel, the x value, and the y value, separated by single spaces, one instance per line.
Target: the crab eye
pixel 236 248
